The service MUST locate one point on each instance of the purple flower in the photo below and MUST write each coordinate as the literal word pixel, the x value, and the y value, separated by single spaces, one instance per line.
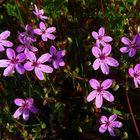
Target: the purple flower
pixel 3 41
pixel 103 60
pixel 101 38
pixel 13 62
pixel 100 92
pixel 130 46
pixel 45 33
pixel 25 106
pixel 109 124
pixel 56 57
pixel 26 46
pixel 29 34
pixel 37 65
pixel 39 13
pixel 135 74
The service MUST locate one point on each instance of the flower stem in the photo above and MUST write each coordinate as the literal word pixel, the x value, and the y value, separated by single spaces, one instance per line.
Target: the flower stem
pixel 102 7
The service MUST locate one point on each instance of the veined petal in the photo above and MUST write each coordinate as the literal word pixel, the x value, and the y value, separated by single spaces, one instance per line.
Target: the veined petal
pixel 112 62
pixel 18 112
pixel 19 102
pixel 106 50
pixel 99 101
pixel 132 52
pixel 4 63
pixel 94 83
pixel 103 119
pixel 131 72
pixel 52 50
pixel 117 124
pixel 26 114
pixel 33 49
pixel 136 82
pixel 20 48
pixel 102 128
pixel 108 96
pixel 30 101
pixel 37 31
pixel 28 66
pixel 91 96
pixel 104 68
pixel 39 73
pixel 6 43
pixel 137 68
pixel 56 64
pixel 44 37
pixel 10 53
pixel 101 31
pixel 36 9
pixel 42 26
pixel 44 58
pixel 45 68
pixel 96 51
pixel 126 41
pixel 106 83
pixel 19 68
pixel 107 39
pixel 95 35
pixel 33 109
pixel 111 131
pixel 112 118
pixel 51 30
pixel 4 35
pixel 96 64
pixel 61 53
pixel 31 56
pixel 124 49
pixel 21 57
pixel 1 48
pixel 8 70
pixel 50 36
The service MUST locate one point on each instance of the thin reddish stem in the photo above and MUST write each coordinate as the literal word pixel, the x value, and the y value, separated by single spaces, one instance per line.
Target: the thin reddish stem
pixel 102 7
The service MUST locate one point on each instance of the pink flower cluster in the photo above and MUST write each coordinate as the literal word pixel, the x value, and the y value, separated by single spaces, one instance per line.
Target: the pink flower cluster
pixel 103 60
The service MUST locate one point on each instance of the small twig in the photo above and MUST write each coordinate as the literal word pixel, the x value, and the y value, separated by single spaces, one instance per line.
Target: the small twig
pixel 130 109
pixel 102 7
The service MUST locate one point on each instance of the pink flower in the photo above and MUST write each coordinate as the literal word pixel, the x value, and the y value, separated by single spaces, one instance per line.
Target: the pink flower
pixel 109 124
pixel 130 46
pixel 46 33
pixel 25 106
pixel 13 62
pixel 37 65
pixel 100 92
pixel 103 60
pixel 39 13
pixel 135 74
pixel 3 41
pixel 101 38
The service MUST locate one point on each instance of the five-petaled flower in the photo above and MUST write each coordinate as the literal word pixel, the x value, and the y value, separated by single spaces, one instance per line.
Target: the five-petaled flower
pixel 29 34
pixel 13 62
pixel 37 65
pixel 130 46
pixel 103 60
pixel 101 38
pixel 39 13
pixel 46 33
pixel 3 41
pixel 135 74
pixel 100 92
pixel 56 57
pixel 109 124
pixel 25 107
pixel 26 46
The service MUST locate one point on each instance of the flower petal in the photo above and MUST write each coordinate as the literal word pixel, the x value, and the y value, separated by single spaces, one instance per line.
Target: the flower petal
pixel 6 43
pixel 44 37
pixel 108 96
pixel 18 112
pixel 43 58
pixel 136 82
pixel 20 68
pixel 45 68
pixel 10 53
pixel 112 118
pixel 107 39
pixel 19 102
pixel 1 48
pixel 131 72
pixel 21 57
pixel 112 62
pixel 52 50
pixel 4 35
pixel 103 119
pixel 132 52
pixel 8 70
pixel 30 101
pixel 50 36
pixel 102 128
pixel 106 83
pixel 51 30
pixel 104 68
pixel 96 64
pixel 33 49
pixel 137 68
pixel 31 56
pixel 37 31
pixel 39 74
pixel 96 51
pixel 124 49
pixel 126 41
pixel 101 31
pixel 91 96
pixel 42 26
pixel 99 101
pixel 4 63
pixel 61 53
pixel 33 109
pixel 111 131
pixel 29 66
pixel 20 48
pixel 106 50
pixel 56 64
pixel 26 114
pixel 94 83
pixel 95 35
pixel 117 124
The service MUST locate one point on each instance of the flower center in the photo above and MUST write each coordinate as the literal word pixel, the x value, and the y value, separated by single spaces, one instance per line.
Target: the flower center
pixel 102 56
pixel 43 31
pixel 14 61
pixel 100 37
pixel 25 105
pixel 54 57
pixel 35 64
pixel 100 89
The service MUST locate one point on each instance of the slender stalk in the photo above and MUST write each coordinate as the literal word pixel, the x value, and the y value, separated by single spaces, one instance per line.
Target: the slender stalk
pixel 130 109
pixel 102 7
